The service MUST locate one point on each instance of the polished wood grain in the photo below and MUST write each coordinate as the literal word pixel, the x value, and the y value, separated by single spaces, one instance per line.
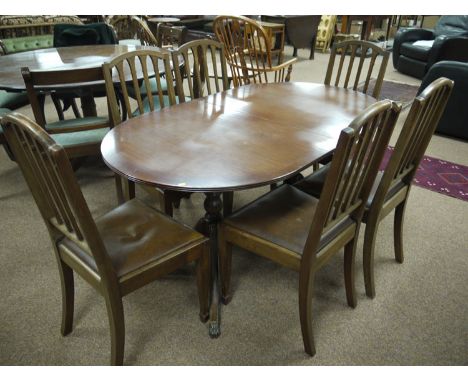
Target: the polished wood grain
pixel 241 138
pixel 76 57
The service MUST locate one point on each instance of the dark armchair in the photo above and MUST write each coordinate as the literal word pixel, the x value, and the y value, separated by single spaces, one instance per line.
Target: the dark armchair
pixel 454 121
pixel 450 42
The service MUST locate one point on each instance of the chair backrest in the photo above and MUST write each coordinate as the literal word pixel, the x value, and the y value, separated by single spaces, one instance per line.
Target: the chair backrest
pixel 136 69
pixel 204 68
pixel 415 135
pixel 49 175
pixel 170 35
pixel 88 34
pixel 38 81
pixel 346 71
pixel 247 49
pixel 355 163
pixel 133 28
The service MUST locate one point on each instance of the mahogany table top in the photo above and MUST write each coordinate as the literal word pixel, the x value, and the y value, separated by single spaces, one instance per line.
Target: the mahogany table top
pixel 76 57
pixel 241 138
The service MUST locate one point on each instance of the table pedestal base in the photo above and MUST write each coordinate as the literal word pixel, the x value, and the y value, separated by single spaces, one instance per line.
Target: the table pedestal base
pixel 208 225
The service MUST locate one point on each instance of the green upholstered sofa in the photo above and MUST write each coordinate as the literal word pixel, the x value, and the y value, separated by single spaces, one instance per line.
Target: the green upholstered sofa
pixel 23 44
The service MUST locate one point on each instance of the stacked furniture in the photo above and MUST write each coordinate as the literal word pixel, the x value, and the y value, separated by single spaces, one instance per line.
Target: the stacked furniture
pixel 301 30
pixel 416 50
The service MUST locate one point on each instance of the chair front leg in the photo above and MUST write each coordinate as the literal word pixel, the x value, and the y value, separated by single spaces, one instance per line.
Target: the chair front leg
pixel 370 235
pixel 115 314
pixel 204 281
pixel 350 285
pixel 398 230
pixel 68 296
pixel 225 263
pixel 306 288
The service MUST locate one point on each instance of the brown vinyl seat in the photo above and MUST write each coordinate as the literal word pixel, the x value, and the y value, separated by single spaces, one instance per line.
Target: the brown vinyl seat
pixel 300 232
pixel 139 71
pixel 391 187
pixel 248 51
pixel 118 253
pixel 79 136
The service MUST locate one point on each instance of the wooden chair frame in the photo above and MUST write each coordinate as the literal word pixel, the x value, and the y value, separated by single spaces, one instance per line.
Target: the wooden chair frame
pixel 338 213
pixel 38 82
pixel 135 69
pixel 417 131
pixel 393 185
pixel 351 47
pixel 248 51
pixel 49 175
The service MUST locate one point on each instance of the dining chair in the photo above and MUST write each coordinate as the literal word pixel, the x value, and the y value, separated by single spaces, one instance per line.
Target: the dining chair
pixel 117 253
pixel 392 185
pixel 248 51
pixel 132 30
pixel 140 70
pixel 204 72
pixel 346 75
pixel 302 233
pixel 79 136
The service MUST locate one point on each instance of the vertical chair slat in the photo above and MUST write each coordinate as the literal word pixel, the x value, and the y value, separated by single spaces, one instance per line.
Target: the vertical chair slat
pixel 350 65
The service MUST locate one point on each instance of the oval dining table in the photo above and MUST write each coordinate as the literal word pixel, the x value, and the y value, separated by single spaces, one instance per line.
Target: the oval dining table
pixel 251 136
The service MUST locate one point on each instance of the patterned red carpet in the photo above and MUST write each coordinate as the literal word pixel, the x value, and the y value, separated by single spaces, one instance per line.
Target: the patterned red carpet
pixel 439 176
pixel 396 91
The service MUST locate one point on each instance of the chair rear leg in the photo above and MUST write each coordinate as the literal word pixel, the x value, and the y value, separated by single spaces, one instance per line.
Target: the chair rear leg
pixel 350 285
pixel 398 231
pixel 68 297
pixel 204 281
pixel 117 328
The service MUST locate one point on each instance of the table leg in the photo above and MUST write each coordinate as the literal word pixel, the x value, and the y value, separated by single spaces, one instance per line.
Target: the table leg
pixel 88 105
pixel 209 226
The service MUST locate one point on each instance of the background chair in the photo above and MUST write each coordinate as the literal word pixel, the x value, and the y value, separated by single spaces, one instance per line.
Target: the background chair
pixel 170 36
pixel 300 232
pixel 132 30
pixel 117 253
pixel 415 50
pixel 345 71
pixel 139 70
pixel 248 51
pixel 347 75
pixel 79 136
pixel 392 186
pixel 74 35
pixel 454 120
